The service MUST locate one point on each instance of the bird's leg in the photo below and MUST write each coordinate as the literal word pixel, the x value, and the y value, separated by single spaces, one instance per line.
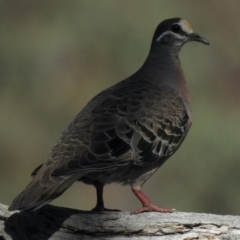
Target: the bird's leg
pixel 100 204
pixel 147 205
pixel 99 190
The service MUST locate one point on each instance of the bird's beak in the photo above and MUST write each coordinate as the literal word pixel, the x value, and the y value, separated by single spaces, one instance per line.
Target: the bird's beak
pixel 197 38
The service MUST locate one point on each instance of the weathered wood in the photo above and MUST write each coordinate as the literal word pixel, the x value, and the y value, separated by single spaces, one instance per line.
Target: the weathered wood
pixel 61 223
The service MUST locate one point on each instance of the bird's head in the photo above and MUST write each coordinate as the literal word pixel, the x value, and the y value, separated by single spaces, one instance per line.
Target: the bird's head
pixel 175 32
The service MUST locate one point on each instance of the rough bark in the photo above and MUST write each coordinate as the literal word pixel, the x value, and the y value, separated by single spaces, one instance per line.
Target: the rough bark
pixel 61 223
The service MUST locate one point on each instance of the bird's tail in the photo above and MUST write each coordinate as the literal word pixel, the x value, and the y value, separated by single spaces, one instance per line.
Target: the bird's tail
pixel 42 189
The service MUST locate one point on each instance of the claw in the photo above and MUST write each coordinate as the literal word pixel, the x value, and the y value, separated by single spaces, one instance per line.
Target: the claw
pixel 153 208
pixel 103 209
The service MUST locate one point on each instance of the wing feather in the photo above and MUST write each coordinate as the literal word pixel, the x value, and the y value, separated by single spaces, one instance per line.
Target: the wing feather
pixel 124 129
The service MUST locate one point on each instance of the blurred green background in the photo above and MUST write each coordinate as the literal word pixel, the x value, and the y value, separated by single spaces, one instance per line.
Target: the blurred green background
pixel 56 55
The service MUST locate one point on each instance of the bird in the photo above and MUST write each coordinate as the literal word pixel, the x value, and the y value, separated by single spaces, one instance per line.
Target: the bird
pixel 126 132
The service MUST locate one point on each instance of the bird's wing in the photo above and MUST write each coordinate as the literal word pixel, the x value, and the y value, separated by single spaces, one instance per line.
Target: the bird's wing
pixel 128 127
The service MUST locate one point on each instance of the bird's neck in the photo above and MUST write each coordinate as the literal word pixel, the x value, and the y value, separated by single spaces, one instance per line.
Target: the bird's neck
pixel 164 68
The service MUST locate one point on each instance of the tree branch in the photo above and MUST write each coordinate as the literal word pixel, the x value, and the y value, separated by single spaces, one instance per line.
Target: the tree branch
pixel 53 223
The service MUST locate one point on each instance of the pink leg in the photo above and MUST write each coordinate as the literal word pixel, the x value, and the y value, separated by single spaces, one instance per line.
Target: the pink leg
pixel 147 205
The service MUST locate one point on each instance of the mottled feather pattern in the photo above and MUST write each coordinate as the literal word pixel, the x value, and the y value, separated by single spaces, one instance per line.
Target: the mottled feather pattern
pixel 135 126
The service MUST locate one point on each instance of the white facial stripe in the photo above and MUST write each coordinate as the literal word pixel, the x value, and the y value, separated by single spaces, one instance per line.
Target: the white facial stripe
pixel 169 32
pixel 185 26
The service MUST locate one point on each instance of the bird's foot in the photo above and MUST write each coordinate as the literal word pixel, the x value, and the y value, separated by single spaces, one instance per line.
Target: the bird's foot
pixel 152 208
pixel 147 205
pixel 103 209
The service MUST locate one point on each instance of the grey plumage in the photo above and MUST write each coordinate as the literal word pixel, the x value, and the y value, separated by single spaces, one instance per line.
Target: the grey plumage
pixel 125 133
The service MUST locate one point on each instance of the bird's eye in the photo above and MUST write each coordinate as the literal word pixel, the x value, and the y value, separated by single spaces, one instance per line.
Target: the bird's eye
pixel 175 28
